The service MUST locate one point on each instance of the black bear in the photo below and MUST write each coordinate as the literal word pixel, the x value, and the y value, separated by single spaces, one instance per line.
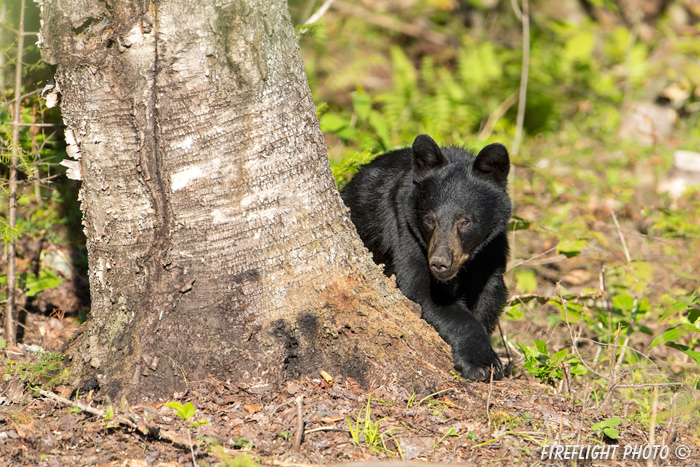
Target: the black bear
pixel 437 219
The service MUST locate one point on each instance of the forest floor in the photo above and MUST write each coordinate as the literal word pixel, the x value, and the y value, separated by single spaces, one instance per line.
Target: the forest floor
pixel 500 423
pixel 503 423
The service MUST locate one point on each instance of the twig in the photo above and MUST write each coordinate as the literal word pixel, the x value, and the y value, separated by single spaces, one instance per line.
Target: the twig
pixel 156 432
pixel 325 428
pixel 503 338
pixel 583 411
pixel 10 332
pixel 524 71
pixel 619 360
pixel 522 298
pixel 488 399
pixel 496 115
pixel 525 261
pixel 634 386
pixel 652 423
pixel 670 432
pixel 321 11
pixel 299 434
pixel 189 439
pixel 34 125
pixel 516 9
pixel 571 336
pixel 622 237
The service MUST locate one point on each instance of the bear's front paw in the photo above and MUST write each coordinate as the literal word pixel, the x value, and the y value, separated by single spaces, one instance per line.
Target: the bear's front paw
pixel 476 363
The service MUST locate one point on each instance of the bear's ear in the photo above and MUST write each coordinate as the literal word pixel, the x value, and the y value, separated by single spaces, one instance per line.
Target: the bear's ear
pixel 426 155
pixel 493 163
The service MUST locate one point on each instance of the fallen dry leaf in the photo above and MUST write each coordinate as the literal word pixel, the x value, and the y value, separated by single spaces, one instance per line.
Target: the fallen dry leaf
pixel 252 408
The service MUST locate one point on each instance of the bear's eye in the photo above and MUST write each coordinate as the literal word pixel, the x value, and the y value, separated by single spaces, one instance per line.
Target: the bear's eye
pixel 464 223
pixel 429 222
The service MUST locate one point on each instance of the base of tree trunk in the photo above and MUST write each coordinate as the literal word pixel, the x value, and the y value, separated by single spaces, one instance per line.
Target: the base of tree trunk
pixel 361 328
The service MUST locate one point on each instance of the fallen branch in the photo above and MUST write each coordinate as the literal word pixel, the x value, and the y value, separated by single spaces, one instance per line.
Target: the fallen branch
pixel 299 434
pixel 137 425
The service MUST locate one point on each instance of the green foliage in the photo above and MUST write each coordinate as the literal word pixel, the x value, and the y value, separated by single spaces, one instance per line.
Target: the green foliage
pixel 285 435
pixel 571 248
pixel 679 222
pixel 183 411
pixel 46 373
pixel 33 285
pixel 687 330
pixel 369 433
pixel 450 432
pixel 411 400
pixel 109 418
pixel 344 170
pixel 549 368
pixel 570 64
pixel 525 281
pixel 607 427
pixel 242 443
pixel 8 233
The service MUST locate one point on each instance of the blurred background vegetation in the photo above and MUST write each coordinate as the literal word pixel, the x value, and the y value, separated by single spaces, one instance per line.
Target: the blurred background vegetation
pixel 606 228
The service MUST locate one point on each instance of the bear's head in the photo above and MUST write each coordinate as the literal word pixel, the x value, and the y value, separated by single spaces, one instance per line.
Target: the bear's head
pixel 461 201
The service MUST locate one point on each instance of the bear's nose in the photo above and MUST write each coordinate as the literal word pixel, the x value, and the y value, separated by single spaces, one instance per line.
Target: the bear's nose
pixel 439 264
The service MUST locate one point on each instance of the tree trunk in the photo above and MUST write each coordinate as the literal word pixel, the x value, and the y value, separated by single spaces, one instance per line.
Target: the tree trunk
pixel 217 241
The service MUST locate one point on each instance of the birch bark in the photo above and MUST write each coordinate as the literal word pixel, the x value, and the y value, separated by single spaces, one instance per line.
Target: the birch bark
pixel 217 241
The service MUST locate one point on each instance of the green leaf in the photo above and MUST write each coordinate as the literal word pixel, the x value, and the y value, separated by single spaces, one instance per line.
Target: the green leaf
pixel 189 410
pixel 404 73
pixel 514 312
pixel 321 108
pixel 3 343
pixel 530 352
pixel 47 280
pixel 361 104
pixel 541 347
pixel 525 280
pixel 686 350
pixel 332 122
pixel 623 302
pixel 610 422
pixel 518 223
pixel 183 411
pixel 175 405
pixel 693 314
pixel 558 357
pixel 611 433
pixel 199 423
pixel 571 248
pixel 380 126
pixel 672 334
pixel 638 274
pixel 578 369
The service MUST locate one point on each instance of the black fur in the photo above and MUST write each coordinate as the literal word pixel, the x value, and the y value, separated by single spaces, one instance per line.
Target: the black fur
pixel 437 219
